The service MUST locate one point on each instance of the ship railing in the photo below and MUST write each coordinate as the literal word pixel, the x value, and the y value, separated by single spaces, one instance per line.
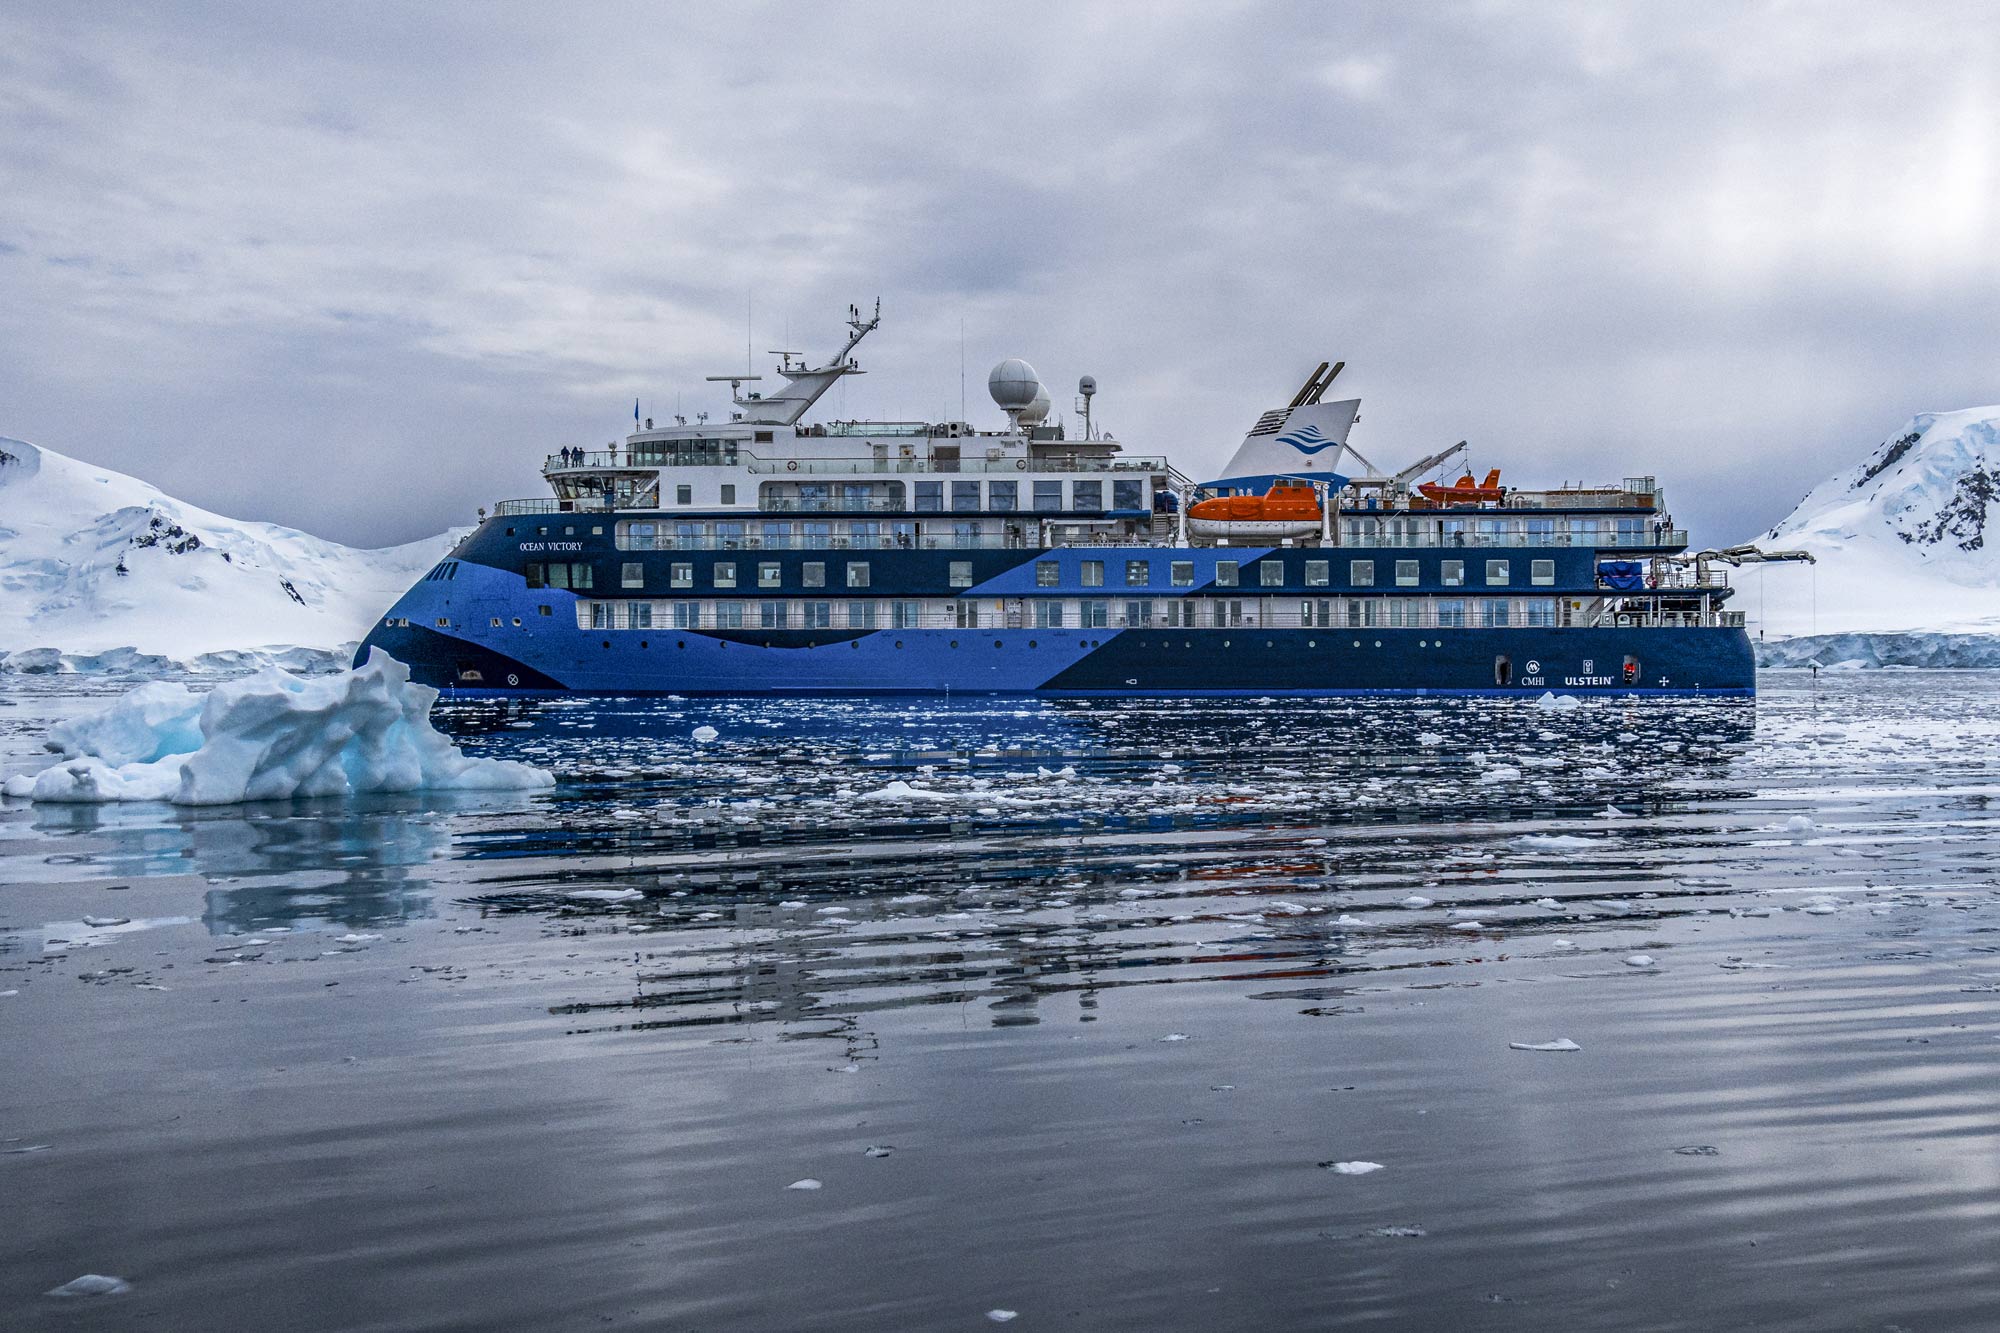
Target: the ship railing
pixel 1673 538
pixel 878 541
pixel 590 505
pixel 904 466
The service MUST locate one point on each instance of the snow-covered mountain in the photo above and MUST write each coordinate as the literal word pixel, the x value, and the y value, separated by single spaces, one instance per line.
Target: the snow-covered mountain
pixel 98 565
pixel 1908 541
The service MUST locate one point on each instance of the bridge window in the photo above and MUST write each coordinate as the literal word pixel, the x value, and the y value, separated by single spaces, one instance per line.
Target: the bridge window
pixel 1128 495
pixel 1086 496
pixel 1048 497
pixel 965 497
pixel 1003 496
pixel 930 497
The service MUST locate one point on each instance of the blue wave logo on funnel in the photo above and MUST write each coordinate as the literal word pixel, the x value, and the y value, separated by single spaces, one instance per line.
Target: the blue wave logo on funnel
pixel 1308 441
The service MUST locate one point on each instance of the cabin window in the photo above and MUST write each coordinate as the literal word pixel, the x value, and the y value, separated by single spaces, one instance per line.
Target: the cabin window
pixel 633 575
pixel 1086 496
pixel 1541 573
pixel 1048 497
pixel 680 576
pixel 965 497
pixel 724 574
pixel 729 615
pixel 1180 573
pixel 1048 613
pixel 1094 615
pixel 818 615
pixel 1539 612
pixel 687 615
pixel 1496 573
pixel 1128 495
pixel 1451 573
pixel 729 492
pixel 961 574
pixel 1227 614
pixel 930 497
pixel 535 575
pixel 812 574
pixel 1407 575
pixel 1271 573
pixel 1003 496
pixel 1361 573
pixel 600 615
pixel 1138 573
pixel 1048 574
pixel 965 614
pixel 546 609
pixel 857 573
pixel 1319 573
pixel 906 615
pixel 761 436
pixel 1093 573
pixel 633 536
pixel 1225 573
pixel 683 495
pixel 772 615
pixel 861 615
pixel 1138 615
pixel 1451 613
pixel 1496 612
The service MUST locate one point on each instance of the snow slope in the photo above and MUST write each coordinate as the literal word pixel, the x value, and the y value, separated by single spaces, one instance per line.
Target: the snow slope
pixel 1908 541
pixel 93 562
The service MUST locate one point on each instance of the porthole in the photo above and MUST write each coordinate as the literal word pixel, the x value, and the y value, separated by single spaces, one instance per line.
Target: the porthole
pixel 1225 643
pixel 517 622
pixel 680 643
pixel 1312 643
pixel 1423 643
pixel 607 643
pixel 954 643
pixel 642 643
pixel 996 643
pixel 1378 643
pixel 1269 644
pixel 1031 643
pixel 899 643
pixel 855 643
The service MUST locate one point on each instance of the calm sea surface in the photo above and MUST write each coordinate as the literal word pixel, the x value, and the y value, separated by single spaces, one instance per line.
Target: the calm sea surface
pixel 1099 1014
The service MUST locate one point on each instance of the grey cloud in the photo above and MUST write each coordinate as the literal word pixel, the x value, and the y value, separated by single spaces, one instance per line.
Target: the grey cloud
pixel 358 270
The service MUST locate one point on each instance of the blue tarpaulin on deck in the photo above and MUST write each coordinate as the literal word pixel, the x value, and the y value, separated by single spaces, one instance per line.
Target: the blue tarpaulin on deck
pixel 1624 575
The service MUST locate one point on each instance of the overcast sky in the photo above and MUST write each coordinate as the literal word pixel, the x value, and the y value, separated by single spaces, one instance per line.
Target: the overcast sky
pixel 357 268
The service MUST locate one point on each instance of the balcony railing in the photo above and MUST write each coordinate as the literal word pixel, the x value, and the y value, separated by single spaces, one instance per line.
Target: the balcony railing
pixel 903 466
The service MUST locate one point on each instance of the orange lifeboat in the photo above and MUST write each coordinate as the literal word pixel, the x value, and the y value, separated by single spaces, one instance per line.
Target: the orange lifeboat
pixel 1466 491
pixel 1288 509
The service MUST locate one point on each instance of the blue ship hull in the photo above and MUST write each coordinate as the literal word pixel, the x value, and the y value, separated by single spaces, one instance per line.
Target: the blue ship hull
pixel 480 629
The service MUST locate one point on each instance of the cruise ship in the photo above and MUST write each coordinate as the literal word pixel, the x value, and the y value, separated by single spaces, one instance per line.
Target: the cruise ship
pixel 769 555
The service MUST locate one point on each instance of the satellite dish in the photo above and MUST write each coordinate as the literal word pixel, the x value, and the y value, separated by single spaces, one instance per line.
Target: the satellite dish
pixel 1037 411
pixel 1013 384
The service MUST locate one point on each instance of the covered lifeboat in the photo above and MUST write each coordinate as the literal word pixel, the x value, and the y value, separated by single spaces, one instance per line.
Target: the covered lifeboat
pixel 1466 491
pixel 1288 509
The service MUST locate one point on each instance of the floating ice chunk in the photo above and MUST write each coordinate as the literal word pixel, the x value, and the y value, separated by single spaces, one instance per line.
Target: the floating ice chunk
pixel 1562 944
pixel 107 921
pixel 1639 960
pixel 1396 1233
pixel 1819 909
pixel 1175 1036
pixel 1552 702
pixel 1500 773
pixel 900 790
pixel 604 895
pixel 1549 903
pixel 1352 1168
pixel 1002 1316
pixel 91 1284
pixel 1417 901
pixel 705 734
pixel 1429 738
pixel 271 736
pixel 807 1184
pixel 1559 1044
pixel 1556 842
pixel 877 1150
pixel 1612 812
pixel 1800 824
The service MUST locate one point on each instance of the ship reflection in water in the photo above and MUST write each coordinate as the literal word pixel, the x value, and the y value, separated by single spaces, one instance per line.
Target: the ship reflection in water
pixel 980 967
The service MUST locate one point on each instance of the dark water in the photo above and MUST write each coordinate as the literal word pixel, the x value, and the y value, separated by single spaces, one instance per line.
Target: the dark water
pixel 1113 985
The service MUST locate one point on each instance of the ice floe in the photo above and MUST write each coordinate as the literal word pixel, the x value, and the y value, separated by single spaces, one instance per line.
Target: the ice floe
pixel 1559 1044
pixel 269 736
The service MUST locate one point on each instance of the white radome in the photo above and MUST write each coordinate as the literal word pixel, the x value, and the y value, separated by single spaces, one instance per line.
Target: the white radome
pixel 1037 411
pixel 1013 384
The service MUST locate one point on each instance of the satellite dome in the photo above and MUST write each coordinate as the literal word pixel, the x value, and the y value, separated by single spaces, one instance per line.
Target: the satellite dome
pixel 1037 411
pixel 1013 384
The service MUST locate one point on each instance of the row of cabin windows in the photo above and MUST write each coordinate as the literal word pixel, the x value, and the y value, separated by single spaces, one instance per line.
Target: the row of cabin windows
pixel 1048 574
pixel 1058 613
pixel 1271 573
pixel 684 494
pixel 1044 497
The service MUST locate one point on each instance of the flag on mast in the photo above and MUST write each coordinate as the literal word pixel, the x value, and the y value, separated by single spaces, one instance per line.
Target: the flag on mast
pixel 635 411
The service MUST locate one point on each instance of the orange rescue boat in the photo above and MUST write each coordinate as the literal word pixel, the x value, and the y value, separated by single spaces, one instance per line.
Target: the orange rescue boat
pixel 1288 509
pixel 1466 491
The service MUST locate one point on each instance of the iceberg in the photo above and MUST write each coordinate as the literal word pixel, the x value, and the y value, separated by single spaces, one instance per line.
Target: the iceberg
pixel 267 737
